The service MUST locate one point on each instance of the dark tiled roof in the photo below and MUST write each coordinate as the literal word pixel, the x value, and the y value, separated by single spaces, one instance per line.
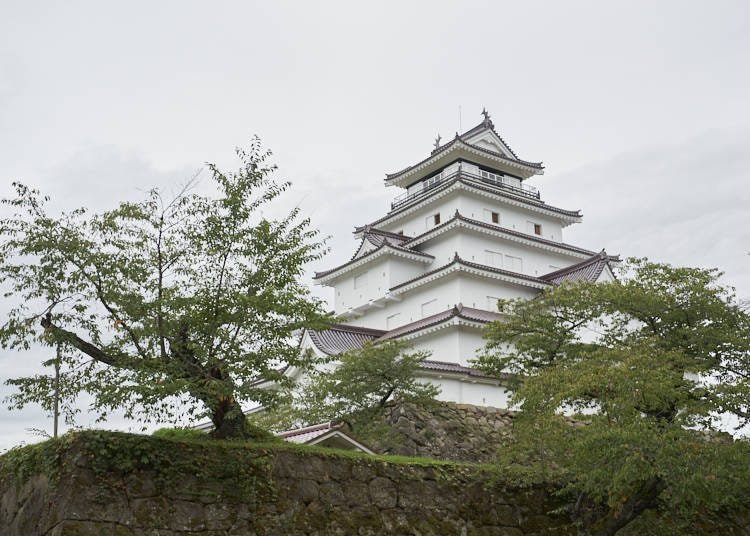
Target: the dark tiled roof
pixel 317 432
pixel 488 125
pixel 458 260
pixel 385 244
pixel 587 270
pixel 341 338
pixel 510 232
pixel 458 311
pixel 459 139
pixel 377 237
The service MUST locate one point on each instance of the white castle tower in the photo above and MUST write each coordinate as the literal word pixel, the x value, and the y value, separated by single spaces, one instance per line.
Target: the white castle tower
pixel 466 230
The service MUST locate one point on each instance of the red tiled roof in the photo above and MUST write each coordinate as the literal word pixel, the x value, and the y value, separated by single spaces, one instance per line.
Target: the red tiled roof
pixel 458 311
pixel 587 270
pixel 308 433
pixel 459 260
pixel 341 338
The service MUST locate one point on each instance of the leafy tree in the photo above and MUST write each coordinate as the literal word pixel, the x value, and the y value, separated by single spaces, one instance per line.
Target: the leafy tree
pixel 173 305
pixel 56 393
pixel 358 386
pixel 645 366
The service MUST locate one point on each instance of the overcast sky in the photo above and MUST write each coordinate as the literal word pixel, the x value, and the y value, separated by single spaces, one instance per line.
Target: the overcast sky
pixel 640 110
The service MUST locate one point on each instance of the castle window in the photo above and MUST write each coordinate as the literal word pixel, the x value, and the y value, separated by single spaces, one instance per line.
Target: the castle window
pixel 534 228
pixel 436 218
pixel 391 321
pixel 432 221
pixel 537 229
pixel 490 216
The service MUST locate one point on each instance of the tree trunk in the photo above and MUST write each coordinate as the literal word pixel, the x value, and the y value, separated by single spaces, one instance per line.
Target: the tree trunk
pixel 639 502
pixel 229 420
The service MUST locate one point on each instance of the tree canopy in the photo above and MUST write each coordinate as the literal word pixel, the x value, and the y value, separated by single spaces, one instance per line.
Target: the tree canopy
pixel 175 305
pixel 355 387
pixel 622 388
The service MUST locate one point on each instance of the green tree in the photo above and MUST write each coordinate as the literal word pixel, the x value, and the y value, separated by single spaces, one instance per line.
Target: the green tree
pixel 173 305
pixel 357 387
pixel 644 366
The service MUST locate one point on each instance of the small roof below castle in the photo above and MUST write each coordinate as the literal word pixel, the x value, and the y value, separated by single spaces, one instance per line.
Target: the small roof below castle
pixel 481 143
pixel 327 434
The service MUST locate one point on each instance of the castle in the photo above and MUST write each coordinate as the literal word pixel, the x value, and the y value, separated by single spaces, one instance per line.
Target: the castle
pixel 466 230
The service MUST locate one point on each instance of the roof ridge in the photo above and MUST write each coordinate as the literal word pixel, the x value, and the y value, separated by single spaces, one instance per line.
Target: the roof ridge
pixel 458 139
pixel 330 425
pixel 385 244
pixel 356 329
pixel 598 257
pixel 463 180
pixel 458 310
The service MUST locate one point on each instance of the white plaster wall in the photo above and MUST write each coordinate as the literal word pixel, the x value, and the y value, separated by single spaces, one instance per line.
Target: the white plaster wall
pixel 346 295
pixel 443 248
pixel 445 291
pixel 464 391
pixel 474 205
pixel 451 344
pixel 444 344
pixel 473 246
pixel 381 275
pixel 511 217
pixel 483 293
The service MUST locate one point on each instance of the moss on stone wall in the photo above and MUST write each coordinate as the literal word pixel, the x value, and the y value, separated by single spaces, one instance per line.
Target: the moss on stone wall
pixel 115 483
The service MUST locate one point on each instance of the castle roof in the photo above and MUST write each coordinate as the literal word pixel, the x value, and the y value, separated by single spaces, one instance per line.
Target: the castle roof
pixel 505 232
pixel 458 311
pixel 587 270
pixel 458 262
pixel 466 143
pixel 462 181
pixel 386 248
pixel 340 338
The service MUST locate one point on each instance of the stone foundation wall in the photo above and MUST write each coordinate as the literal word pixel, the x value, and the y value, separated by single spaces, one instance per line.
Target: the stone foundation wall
pixel 442 430
pixel 99 483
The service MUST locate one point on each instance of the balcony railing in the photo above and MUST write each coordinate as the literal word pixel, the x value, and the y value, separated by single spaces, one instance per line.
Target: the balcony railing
pixel 486 177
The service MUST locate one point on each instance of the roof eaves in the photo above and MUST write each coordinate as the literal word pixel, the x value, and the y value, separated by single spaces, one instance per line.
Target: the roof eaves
pixel 404 252
pixel 457 217
pixel 539 283
pixel 457 142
